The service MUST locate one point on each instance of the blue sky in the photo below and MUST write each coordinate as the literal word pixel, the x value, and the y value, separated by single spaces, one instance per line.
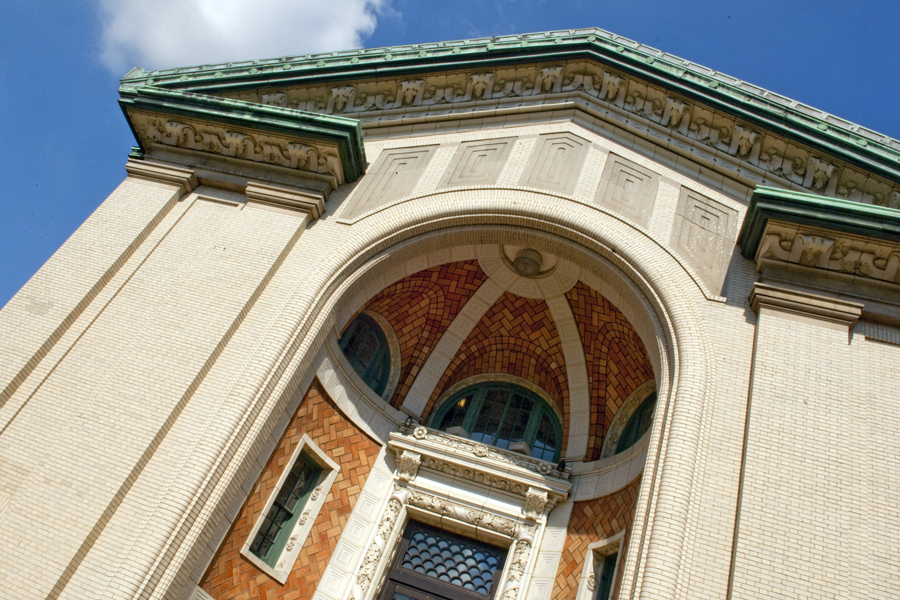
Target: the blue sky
pixel 64 140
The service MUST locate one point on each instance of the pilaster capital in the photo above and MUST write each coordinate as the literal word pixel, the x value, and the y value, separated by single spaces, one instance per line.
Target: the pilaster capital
pixel 835 311
pixel 163 172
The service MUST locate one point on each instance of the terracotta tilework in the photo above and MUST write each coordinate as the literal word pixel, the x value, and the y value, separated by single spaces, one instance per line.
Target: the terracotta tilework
pixel 420 308
pixel 515 336
pixel 615 357
pixel 591 522
pixel 230 576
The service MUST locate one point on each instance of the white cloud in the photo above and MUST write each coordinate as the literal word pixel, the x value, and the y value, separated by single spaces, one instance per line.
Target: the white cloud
pixel 161 34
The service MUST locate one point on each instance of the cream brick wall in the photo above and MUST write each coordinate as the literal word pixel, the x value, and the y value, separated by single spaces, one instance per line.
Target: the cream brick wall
pixel 184 330
pixel 818 514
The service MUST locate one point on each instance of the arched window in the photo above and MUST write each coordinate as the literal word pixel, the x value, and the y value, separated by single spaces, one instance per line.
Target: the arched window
pixel 638 424
pixel 366 348
pixel 503 415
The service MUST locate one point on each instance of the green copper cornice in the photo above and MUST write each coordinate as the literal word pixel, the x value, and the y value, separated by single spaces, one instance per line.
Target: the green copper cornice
pixel 793 120
pixel 841 216
pixel 345 133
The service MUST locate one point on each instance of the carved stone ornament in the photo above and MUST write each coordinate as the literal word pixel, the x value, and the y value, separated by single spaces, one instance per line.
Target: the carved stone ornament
pixel 849 254
pixel 521 555
pixel 316 493
pixel 376 549
pixel 535 501
pixel 591 582
pixel 480 451
pixel 303 518
pixel 237 143
pixel 420 432
pixel 408 465
pixel 291 543
pixel 478 518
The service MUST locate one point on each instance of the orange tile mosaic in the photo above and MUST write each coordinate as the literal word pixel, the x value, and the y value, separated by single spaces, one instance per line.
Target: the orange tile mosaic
pixel 230 576
pixel 515 336
pixel 592 521
pixel 420 308
pixel 615 357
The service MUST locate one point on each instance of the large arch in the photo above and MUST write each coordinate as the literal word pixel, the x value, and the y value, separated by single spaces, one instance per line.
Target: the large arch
pixel 655 293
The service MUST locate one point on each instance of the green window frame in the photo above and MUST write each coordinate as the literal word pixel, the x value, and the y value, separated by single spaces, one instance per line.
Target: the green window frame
pixel 365 345
pixel 503 415
pixel 282 516
pixel 638 424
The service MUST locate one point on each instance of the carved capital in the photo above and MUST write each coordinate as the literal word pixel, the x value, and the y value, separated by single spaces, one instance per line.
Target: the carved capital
pixel 841 313
pixel 408 465
pixel 163 172
pixel 286 197
pixel 535 501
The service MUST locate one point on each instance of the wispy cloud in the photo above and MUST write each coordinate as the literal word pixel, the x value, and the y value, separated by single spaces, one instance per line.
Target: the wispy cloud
pixel 173 33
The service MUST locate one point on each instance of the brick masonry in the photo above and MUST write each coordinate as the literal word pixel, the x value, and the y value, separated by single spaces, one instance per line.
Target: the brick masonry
pixel 615 358
pixel 420 308
pixel 230 576
pixel 593 521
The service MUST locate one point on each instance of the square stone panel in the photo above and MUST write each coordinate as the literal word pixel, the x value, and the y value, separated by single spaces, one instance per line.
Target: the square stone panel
pixel 393 176
pixel 556 162
pixel 477 163
pixel 704 234
pixel 628 190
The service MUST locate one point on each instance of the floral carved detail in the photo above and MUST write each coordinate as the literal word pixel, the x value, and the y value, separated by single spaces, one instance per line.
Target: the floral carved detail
pixel 535 501
pixel 420 432
pixel 376 548
pixel 291 543
pixel 521 554
pixel 316 493
pixel 492 522
pixel 408 466
pixel 480 451
pixel 303 518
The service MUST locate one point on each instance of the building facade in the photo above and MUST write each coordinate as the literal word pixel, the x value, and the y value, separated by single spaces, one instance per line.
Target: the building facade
pixel 529 317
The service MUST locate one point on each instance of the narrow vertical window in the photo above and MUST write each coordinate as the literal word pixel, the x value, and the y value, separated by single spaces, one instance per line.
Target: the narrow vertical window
pixel 366 348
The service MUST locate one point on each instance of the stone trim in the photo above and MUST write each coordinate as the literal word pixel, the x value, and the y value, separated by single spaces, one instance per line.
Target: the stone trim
pixel 285 197
pixel 842 313
pixel 492 467
pixel 595 550
pixel 285 563
pixel 611 441
pixel 163 172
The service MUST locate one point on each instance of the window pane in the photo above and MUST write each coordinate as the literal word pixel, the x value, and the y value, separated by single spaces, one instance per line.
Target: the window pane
pixel 285 508
pixel 488 422
pixel 455 416
pixel 515 421
pixel 365 346
pixel 544 446
pixel 638 424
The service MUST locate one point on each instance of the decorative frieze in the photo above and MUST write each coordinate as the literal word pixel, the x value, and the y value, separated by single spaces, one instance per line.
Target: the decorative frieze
pixel 625 100
pixel 238 143
pixel 846 253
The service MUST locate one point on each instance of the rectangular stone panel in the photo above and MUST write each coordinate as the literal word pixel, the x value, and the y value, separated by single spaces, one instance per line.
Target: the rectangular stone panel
pixel 394 175
pixel 628 190
pixel 477 163
pixel 704 234
pixel 556 162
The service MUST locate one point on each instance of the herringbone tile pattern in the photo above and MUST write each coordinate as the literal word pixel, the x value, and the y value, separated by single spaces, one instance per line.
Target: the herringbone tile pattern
pixel 420 308
pixel 615 357
pixel 230 576
pixel 516 336
pixel 593 521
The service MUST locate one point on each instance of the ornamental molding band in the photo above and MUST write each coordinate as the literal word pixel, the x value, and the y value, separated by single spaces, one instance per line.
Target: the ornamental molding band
pixel 478 463
pixel 723 123
pixel 163 133
pixel 815 234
